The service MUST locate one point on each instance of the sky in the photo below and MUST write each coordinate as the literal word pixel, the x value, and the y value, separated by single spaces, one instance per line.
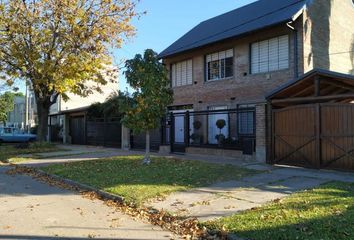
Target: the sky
pixel 165 22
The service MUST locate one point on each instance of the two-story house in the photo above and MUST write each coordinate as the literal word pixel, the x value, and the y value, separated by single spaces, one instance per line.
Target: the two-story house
pixel 224 68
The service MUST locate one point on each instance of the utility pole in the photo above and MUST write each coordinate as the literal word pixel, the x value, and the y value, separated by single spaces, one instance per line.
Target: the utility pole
pixel 27 109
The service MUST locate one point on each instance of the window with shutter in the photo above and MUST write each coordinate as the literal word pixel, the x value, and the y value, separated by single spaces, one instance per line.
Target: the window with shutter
pixel 270 55
pixel 220 65
pixel 182 73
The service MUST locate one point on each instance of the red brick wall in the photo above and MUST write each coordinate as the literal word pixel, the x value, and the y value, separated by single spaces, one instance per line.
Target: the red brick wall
pixel 249 88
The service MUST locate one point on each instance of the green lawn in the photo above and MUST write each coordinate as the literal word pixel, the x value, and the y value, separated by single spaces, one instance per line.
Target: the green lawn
pixel 127 177
pixel 326 212
pixel 9 153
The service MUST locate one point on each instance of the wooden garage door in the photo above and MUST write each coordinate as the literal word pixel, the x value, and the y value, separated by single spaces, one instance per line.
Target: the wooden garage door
pixel 295 136
pixel 337 136
pixel 316 136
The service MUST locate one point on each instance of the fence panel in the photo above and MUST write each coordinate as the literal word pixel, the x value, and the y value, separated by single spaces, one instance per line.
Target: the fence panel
pixel 104 133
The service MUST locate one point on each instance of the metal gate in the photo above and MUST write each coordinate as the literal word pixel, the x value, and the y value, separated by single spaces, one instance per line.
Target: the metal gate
pixel 103 132
pixel 138 141
pixel 77 130
pixel 217 128
pixel 316 136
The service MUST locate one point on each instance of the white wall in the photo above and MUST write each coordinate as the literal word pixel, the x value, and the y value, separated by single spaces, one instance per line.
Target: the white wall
pixel 76 101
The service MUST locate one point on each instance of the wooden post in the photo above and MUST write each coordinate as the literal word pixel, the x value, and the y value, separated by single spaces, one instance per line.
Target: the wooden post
pixel 317 86
pixel 318 135
pixel 269 133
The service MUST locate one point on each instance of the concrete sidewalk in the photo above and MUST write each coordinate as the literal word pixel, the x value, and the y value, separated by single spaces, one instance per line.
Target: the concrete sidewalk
pixel 221 199
pixel 72 153
pixel 33 210
pixel 228 198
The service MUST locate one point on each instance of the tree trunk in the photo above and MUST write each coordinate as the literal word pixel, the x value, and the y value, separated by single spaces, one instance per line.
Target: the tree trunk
pixel 147 159
pixel 43 113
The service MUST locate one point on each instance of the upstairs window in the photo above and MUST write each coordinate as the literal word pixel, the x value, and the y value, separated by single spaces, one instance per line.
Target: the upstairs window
pixel 182 73
pixel 220 65
pixel 270 55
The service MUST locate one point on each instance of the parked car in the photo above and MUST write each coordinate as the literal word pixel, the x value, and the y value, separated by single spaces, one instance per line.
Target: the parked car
pixel 14 135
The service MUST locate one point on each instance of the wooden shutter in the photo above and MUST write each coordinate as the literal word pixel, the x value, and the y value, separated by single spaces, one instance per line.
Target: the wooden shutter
pixel 189 72
pixel 263 56
pixel 179 74
pixel 173 75
pixel 255 58
pixel 184 73
pixel 273 54
pixel 284 52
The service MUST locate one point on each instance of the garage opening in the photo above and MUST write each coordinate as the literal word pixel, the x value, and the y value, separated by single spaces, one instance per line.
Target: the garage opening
pixel 311 122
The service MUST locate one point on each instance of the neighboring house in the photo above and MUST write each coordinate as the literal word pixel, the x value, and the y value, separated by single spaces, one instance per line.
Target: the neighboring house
pixel 227 65
pixel 67 118
pixel 17 117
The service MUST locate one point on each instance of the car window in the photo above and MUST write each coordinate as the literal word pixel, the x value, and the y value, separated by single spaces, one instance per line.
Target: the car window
pixel 7 130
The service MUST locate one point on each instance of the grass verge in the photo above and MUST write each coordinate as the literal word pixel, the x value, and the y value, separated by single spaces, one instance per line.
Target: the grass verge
pixel 127 177
pixel 326 212
pixel 10 153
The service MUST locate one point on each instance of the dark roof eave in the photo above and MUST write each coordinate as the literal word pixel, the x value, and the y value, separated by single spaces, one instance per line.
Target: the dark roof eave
pixel 311 73
pixel 76 110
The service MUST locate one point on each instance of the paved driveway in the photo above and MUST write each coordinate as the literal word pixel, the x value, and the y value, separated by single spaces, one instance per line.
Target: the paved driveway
pixel 33 210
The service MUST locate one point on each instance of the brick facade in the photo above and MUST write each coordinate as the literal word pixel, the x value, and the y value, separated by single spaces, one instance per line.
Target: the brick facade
pixel 313 38
pixel 235 90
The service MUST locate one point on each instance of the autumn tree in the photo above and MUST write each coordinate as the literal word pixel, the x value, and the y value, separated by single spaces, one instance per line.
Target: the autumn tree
pixel 6 105
pixel 56 46
pixel 152 94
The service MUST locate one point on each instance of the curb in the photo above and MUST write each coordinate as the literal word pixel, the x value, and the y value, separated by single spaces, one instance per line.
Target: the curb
pixel 82 186
pixel 104 194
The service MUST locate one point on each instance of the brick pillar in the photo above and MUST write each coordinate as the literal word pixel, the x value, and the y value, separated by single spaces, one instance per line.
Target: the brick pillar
pixel 125 138
pixel 261 132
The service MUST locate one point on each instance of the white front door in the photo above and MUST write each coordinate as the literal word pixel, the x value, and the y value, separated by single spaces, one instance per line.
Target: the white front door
pixel 179 129
pixel 213 130
pixel 179 125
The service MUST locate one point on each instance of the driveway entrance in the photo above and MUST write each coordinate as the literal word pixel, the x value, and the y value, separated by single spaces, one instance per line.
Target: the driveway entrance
pixel 312 122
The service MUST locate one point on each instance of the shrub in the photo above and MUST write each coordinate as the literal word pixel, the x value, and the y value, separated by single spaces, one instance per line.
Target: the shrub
pixel 197 125
pixel 221 123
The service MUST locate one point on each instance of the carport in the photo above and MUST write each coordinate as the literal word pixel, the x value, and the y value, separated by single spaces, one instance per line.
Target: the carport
pixel 311 122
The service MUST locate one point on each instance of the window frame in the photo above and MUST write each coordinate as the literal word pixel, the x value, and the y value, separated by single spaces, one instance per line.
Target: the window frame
pixel 206 72
pixel 267 39
pixel 238 122
pixel 171 73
